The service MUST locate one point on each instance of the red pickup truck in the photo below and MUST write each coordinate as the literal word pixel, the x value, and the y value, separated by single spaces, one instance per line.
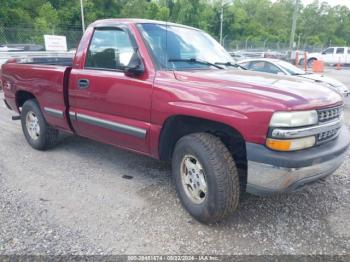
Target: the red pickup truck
pixel 173 93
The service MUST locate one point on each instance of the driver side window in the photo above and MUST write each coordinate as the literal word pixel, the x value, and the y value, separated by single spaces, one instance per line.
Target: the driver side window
pixel 257 66
pixel 328 51
pixel 271 68
pixel 262 66
pixel 110 49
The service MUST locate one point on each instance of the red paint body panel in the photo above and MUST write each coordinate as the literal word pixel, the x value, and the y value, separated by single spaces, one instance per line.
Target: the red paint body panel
pixel 241 99
pixel 113 97
pixel 45 82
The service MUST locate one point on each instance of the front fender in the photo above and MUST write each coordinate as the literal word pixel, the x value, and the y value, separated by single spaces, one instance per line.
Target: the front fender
pixel 209 112
pixel 252 126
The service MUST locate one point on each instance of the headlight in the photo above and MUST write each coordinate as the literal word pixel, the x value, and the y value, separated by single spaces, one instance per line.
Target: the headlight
pixel 291 144
pixel 290 120
pixel 294 119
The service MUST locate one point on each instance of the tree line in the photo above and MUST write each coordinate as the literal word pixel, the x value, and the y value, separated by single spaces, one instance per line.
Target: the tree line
pixel 256 20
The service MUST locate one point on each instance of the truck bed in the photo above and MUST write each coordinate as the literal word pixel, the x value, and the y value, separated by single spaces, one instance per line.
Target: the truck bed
pixel 58 61
pixel 37 55
pixel 46 80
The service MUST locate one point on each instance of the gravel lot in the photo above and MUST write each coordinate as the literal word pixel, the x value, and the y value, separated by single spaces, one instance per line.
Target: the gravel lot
pixel 73 199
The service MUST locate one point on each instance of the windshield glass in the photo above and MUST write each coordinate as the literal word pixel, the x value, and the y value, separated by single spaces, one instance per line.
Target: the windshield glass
pixel 293 70
pixel 181 48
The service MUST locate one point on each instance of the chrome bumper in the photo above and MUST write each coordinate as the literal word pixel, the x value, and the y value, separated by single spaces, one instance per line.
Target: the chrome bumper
pixel 270 171
pixel 347 99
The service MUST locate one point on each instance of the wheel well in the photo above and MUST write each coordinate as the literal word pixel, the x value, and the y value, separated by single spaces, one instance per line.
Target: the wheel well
pixel 176 127
pixel 22 97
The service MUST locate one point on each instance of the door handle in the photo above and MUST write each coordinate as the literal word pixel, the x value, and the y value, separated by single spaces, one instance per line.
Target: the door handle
pixel 83 83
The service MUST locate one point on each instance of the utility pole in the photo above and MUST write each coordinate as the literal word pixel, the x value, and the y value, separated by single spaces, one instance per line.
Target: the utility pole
pixel 294 24
pixel 82 15
pixel 221 20
pixel 223 41
pixel 298 41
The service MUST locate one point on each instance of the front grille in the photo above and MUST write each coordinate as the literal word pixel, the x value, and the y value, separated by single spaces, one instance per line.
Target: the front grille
pixel 325 115
pixel 327 129
pixel 326 136
pixel 328 115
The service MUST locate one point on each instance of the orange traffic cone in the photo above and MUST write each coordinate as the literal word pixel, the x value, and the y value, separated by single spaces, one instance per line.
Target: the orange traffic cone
pixel 338 67
pixel 318 66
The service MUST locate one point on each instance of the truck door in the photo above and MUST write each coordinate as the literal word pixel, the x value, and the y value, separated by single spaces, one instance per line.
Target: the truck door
pixel 328 55
pixel 105 103
pixel 340 55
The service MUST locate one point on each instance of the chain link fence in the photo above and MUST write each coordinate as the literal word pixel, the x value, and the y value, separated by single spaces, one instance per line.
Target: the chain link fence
pixel 32 39
pixel 17 36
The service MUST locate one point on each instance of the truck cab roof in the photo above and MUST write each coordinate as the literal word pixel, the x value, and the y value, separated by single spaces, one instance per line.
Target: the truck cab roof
pixel 114 21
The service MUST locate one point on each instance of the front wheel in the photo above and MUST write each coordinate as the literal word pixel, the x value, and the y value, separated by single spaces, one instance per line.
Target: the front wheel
pixel 310 62
pixel 38 133
pixel 206 177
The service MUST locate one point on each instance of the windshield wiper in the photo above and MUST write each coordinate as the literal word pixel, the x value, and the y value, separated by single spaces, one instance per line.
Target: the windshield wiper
pixel 230 64
pixel 195 61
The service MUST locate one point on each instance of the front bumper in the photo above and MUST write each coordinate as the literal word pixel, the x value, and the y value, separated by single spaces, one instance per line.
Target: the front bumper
pixel 271 171
pixel 346 98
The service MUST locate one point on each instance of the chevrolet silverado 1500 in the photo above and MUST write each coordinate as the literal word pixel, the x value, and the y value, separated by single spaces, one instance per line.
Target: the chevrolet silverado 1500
pixel 173 93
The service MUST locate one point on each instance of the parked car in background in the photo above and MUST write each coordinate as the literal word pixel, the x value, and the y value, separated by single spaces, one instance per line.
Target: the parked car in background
pixel 274 54
pixel 27 47
pixel 331 55
pixel 242 54
pixel 5 48
pixel 280 67
pixel 237 55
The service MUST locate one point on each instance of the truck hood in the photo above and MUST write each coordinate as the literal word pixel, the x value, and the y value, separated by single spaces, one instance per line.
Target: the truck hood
pixel 292 92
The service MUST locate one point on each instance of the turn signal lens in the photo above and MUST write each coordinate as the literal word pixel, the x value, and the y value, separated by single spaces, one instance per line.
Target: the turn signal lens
pixel 292 144
pixel 280 145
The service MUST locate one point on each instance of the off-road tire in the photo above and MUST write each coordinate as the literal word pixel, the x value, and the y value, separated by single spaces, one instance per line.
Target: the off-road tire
pixel 220 172
pixel 48 135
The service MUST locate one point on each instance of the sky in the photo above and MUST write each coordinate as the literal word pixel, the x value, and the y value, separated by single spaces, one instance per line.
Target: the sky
pixel 330 2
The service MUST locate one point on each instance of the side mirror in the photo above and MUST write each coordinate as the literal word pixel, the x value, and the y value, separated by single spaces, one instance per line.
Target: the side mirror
pixel 135 67
pixel 134 71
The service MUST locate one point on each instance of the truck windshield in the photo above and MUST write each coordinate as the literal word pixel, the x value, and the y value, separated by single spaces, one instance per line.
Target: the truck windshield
pixel 182 48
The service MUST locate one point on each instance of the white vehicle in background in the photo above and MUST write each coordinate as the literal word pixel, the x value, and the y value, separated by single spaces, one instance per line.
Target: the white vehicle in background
pixel 4 48
pixel 280 67
pixel 237 55
pixel 331 55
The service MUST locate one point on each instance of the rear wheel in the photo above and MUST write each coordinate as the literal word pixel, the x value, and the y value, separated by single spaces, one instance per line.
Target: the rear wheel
pixel 206 177
pixel 38 133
